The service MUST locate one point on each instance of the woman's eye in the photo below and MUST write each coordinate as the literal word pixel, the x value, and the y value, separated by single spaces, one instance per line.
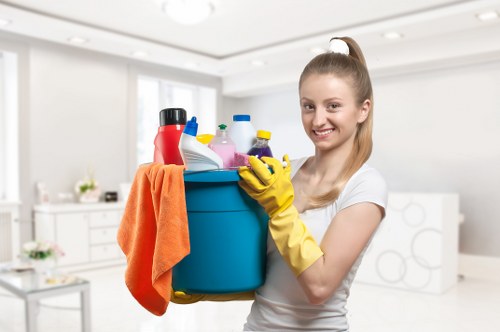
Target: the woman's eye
pixel 308 107
pixel 333 107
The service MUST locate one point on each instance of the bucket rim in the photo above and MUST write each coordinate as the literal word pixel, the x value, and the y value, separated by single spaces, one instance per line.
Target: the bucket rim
pixel 218 175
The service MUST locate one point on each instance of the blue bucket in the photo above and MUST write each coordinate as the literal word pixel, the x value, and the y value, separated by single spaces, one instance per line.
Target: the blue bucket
pixel 227 233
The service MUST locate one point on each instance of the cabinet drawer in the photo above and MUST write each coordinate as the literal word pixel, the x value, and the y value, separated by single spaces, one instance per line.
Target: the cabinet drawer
pixel 105 218
pixel 103 235
pixel 104 252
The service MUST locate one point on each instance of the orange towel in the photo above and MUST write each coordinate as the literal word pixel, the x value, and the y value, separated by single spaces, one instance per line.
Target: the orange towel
pixel 154 233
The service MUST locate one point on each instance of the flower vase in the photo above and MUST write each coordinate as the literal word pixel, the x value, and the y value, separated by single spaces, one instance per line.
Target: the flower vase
pixel 43 266
pixel 88 191
pixel 90 196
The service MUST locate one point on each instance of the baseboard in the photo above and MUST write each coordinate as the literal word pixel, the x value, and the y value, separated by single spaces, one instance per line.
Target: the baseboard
pixel 479 267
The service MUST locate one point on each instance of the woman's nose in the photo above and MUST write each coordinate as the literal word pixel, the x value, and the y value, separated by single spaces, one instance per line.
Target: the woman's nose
pixel 319 117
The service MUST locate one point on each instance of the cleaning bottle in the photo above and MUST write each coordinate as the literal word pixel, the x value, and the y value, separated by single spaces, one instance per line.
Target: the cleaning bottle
pixel 204 138
pixel 223 146
pixel 242 132
pixel 172 122
pixel 195 155
pixel 261 147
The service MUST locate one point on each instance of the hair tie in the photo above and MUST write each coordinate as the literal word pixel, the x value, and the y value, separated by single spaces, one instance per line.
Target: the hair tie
pixel 338 46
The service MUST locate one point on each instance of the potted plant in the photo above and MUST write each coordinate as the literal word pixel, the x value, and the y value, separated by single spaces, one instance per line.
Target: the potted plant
pixel 88 190
pixel 41 254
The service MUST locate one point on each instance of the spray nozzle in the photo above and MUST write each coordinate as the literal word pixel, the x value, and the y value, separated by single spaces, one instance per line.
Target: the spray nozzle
pixel 191 127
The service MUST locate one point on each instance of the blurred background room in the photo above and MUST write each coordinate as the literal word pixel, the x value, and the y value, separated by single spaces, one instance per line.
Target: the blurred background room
pixel 81 86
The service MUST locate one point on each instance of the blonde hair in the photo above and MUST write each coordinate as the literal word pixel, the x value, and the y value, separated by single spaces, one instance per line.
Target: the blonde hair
pixel 352 67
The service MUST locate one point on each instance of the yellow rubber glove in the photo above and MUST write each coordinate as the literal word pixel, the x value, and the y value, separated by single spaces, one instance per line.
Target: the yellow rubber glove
pixel 274 192
pixel 271 187
pixel 184 298
pixel 294 242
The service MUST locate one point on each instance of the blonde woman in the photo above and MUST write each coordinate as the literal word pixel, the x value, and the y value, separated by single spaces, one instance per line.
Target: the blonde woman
pixel 323 209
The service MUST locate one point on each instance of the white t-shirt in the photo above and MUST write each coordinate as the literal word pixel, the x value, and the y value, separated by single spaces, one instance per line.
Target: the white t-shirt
pixel 280 304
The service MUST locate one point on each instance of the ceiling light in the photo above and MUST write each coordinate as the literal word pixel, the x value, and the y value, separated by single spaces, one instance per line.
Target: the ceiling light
pixel 258 63
pixel 317 50
pixel 139 54
pixel 188 11
pixel 487 16
pixel 77 40
pixel 4 22
pixel 392 35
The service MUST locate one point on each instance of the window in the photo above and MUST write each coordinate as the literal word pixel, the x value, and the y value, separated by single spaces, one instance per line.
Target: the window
pixel 9 146
pixel 155 94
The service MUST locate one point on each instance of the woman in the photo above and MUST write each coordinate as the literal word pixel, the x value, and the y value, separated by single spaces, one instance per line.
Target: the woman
pixel 323 209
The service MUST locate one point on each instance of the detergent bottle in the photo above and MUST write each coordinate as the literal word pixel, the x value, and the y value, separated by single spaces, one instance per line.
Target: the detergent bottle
pixel 204 138
pixel 195 155
pixel 172 122
pixel 223 146
pixel 242 132
pixel 261 147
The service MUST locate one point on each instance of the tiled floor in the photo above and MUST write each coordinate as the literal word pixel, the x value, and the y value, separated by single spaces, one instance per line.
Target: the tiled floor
pixel 473 305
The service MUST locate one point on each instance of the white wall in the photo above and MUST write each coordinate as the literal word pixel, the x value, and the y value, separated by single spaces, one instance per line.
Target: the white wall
pixel 434 132
pixel 78 118
pixel 9 138
pixel 438 131
pixel 2 133
pixel 78 109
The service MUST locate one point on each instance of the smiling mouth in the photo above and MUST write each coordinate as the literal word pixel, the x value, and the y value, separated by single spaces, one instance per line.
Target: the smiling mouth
pixel 324 132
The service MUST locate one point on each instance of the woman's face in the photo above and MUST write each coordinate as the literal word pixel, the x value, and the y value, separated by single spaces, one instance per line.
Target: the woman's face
pixel 330 113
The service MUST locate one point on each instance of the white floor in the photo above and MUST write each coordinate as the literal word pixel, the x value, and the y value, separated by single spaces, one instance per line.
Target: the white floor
pixel 473 305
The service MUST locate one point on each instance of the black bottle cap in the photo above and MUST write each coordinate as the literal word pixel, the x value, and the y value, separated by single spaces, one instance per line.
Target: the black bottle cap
pixel 170 116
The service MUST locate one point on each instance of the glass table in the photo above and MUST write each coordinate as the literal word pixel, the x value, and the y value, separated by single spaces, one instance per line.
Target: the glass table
pixel 32 287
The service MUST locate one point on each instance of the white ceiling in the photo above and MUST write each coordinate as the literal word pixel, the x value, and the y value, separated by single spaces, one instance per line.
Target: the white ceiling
pixel 278 32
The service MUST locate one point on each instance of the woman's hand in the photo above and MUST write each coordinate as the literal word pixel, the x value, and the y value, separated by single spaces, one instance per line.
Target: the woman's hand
pixel 269 183
pixel 273 189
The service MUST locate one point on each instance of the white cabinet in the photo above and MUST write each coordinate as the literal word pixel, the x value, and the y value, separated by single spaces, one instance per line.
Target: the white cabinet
pixel 85 232
pixel 416 245
pixel 72 232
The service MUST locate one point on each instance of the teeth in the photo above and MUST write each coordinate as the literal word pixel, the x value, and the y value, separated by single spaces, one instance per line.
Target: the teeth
pixel 323 132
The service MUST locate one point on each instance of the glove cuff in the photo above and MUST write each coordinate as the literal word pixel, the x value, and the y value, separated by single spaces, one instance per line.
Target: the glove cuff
pixel 295 243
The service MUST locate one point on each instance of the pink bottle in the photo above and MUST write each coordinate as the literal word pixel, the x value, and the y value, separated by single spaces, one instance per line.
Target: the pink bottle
pixel 223 146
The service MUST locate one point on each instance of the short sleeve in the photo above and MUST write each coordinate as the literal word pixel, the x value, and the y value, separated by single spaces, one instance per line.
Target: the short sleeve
pixel 367 185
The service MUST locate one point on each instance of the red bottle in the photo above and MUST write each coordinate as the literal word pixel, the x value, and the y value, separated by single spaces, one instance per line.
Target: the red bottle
pixel 172 122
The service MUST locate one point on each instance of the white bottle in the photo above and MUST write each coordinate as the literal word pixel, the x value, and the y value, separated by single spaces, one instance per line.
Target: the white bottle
pixel 242 133
pixel 195 155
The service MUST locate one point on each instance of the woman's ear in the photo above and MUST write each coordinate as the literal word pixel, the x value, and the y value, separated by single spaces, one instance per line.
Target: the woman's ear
pixel 364 111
